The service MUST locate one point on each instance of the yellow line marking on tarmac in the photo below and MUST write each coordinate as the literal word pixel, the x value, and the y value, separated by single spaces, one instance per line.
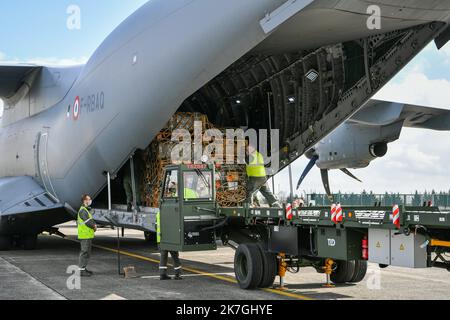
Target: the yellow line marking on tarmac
pixel 199 272
pixel 207 274
pixel 188 275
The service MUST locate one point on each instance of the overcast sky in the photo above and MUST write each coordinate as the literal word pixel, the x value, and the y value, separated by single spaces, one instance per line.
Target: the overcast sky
pixel 418 161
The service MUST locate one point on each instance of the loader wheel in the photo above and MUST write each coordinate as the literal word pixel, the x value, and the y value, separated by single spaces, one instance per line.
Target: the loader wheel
pixel 29 241
pixel 248 266
pixel 5 243
pixel 360 271
pixel 344 272
pixel 270 268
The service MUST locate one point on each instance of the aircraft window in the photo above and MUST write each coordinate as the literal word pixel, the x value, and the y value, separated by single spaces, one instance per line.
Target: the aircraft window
pixel 171 184
pixel 197 185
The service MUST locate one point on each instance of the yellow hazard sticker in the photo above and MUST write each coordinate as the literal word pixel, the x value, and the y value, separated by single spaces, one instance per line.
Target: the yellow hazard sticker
pixel 402 247
pixel 378 244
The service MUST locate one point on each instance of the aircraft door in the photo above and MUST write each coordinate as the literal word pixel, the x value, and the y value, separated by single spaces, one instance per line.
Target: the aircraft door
pixel 42 163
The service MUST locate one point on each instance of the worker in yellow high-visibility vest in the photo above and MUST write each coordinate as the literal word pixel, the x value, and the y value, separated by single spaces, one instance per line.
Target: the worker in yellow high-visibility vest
pixel 257 178
pixel 86 233
pixel 163 268
pixel 190 194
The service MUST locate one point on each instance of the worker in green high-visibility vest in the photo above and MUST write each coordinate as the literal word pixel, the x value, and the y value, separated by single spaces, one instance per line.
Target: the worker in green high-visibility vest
pixel 86 233
pixel 163 268
pixel 257 178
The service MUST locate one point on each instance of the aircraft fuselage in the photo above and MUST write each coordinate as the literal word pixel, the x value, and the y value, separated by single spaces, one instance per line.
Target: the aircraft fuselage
pixel 168 50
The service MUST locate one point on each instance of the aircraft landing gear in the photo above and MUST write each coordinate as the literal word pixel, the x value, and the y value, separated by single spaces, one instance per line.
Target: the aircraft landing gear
pixel 29 241
pixel 5 243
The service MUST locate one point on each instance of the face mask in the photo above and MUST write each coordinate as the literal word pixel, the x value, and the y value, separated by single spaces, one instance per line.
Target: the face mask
pixel 89 203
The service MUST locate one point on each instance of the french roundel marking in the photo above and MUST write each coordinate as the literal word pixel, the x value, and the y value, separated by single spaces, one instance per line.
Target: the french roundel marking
pixel 76 108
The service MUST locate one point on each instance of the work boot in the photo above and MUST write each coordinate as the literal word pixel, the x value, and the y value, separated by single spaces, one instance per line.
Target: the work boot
pixel 129 207
pixel 178 277
pixel 165 277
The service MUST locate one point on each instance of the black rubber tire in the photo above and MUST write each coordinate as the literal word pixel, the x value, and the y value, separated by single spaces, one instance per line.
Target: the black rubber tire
pixel 344 272
pixel 29 241
pixel 5 243
pixel 360 271
pixel 270 267
pixel 150 237
pixel 248 266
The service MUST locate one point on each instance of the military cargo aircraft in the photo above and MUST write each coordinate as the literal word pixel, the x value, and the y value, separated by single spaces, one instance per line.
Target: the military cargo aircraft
pixel 300 66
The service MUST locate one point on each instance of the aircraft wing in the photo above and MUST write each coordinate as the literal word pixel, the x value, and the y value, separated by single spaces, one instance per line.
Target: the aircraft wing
pixel 382 113
pixel 13 77
pixel 426 118
pixel 372 127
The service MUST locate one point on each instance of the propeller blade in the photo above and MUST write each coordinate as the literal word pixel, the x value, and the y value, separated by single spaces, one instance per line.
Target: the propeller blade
pixel 311 153
pixel 308 168
pixel 351 175
pixel 326 183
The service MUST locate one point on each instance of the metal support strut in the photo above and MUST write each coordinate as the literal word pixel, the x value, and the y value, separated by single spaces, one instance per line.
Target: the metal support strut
pixel 119 269
pixel 269 106
pixel 329 263
pixel 133 186
pixel 282 270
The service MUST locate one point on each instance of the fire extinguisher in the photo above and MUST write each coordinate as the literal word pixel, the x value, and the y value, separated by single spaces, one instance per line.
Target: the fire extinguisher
pixel 365 248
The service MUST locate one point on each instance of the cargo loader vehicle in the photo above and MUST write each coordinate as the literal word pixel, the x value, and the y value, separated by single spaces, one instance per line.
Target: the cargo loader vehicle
pixel 336 241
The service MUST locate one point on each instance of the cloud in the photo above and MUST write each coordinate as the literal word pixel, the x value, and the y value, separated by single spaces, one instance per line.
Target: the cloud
pixel 445 53
pixel 57 61
pixel 417 88
pixel 1 108
pixel 44 61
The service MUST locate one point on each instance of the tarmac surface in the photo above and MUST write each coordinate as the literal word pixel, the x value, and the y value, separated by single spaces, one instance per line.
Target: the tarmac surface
pixel 46 274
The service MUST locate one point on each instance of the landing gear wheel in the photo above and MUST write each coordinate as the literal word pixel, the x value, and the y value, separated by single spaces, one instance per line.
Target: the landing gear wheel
pixel 248 266
pixel 30 241
pixel 150 237
pixel 360 271
pixel 5 243
pixel 270 268
pixel 344 272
